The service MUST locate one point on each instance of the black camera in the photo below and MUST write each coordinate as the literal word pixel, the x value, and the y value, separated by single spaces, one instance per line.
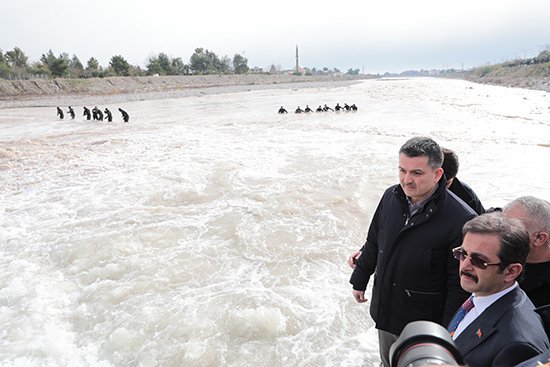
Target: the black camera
pixel 424 343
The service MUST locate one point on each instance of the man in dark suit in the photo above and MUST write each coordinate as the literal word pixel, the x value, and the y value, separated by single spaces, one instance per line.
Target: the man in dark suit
pixel 502 328
pixel 538 361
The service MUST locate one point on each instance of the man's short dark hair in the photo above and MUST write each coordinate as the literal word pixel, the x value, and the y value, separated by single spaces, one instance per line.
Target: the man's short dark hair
pixel 421 146
pixel 514 238
pixel 450 163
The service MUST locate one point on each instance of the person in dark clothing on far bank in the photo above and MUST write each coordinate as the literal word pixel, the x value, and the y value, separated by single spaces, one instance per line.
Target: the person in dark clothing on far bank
pixel 71 112
pixel 125 116
pixel 460 189
pixel 408 247
pixel 87 113
pixel 97 114
pixel 108 115
pixel 60 113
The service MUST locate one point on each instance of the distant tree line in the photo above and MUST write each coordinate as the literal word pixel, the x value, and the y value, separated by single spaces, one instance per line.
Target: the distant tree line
pixel 14 64
pixel 542 58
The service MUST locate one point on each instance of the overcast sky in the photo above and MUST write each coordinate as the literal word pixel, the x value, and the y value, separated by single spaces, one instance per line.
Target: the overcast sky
pixel 373 36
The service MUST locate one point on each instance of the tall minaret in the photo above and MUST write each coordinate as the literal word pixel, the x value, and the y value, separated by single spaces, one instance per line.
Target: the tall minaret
pixel 297 61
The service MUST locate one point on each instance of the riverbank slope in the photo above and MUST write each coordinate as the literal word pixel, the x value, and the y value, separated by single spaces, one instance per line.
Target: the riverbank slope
pixel 535 76
pixel 10 89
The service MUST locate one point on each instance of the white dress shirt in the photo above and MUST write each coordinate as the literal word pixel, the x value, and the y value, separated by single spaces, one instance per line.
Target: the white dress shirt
pixel 480 304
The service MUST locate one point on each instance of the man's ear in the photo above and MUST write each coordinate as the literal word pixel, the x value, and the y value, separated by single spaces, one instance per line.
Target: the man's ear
pixel 541 239
pixel 512 271
pixel 438 174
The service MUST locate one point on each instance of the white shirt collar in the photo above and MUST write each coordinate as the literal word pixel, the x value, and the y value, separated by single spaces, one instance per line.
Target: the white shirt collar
pixel 481 303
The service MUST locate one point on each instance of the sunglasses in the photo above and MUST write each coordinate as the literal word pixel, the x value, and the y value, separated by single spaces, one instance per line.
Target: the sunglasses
pixel 478 262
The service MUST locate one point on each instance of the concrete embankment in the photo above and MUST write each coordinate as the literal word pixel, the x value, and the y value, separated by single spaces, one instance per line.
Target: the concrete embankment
pixel 126 85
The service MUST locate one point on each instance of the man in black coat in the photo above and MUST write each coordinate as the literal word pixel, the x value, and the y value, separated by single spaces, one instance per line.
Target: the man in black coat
pixel 408 247
pixel 460 189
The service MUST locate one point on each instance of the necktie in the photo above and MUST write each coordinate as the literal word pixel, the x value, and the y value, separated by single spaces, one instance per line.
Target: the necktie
pixel 460 313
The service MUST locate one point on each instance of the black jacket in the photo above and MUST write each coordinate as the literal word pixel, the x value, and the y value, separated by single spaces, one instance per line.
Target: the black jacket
pixel 536 283
pixel 415 274
pixel 467 194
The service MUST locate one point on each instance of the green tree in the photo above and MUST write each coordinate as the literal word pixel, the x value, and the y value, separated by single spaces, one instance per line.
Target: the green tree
pixel 158 64
pixel 4 67
pixel 153 66
pixel 119 65
pixel 162 64
pixel 75 66
pixel 92 64
pixel 92 68
pixel 165 64
pixel 16 58
pixel 47 58
pixel 240 64
pixel 353 72
pixel 179 67
pixel 58 66
pixel 222 65
pixel 199 61
pixel 207 62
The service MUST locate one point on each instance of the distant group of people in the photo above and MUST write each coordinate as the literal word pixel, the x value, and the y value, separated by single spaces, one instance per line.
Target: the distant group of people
pixel 324 108
pixel 96 114
pixel 437 255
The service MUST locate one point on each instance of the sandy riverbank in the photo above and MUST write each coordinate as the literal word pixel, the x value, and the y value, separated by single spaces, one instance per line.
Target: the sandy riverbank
pixel 123 85
pixel 151 86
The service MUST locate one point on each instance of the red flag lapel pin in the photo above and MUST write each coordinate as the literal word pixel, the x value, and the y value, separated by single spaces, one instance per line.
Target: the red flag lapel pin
pixel 479 333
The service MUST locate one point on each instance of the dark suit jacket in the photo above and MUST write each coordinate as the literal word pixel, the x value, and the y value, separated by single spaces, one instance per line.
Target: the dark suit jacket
pixel 533 362
pixel 506 333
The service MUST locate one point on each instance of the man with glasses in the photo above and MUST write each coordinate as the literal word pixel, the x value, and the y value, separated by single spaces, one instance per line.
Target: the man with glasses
pixel 499 326
pixel 408 247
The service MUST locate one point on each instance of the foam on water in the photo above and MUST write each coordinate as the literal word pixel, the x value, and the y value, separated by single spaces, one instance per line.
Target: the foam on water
pixel 212 231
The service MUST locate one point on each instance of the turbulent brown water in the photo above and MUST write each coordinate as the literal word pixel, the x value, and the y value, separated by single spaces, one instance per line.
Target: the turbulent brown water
pixel 211 231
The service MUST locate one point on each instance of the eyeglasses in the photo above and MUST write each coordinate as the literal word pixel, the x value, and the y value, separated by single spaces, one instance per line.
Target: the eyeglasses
pixel 476 261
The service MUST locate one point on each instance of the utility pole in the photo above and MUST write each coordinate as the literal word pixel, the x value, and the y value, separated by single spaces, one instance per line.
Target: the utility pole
pixel 297 61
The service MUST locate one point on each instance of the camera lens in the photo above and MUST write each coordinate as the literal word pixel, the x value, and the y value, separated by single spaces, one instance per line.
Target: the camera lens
pixel 424 343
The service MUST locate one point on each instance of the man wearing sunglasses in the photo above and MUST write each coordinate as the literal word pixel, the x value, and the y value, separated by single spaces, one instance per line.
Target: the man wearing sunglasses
pixel 408 247
pixel 501 327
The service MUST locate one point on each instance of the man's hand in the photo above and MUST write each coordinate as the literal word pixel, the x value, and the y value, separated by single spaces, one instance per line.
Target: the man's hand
pixel 359 296
pixel 353 258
